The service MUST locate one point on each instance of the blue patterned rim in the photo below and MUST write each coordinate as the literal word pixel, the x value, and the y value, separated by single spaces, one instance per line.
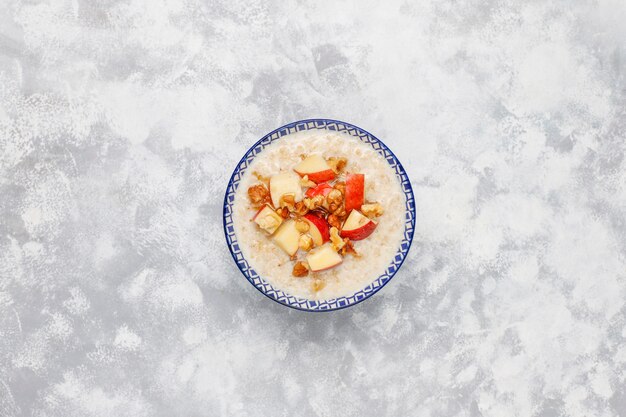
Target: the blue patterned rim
pixel 303 303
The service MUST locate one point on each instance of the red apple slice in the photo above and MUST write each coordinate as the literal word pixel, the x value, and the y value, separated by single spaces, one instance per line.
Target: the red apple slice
pixel 318 229
pixel 357 226
pixel 287 237
pixel 316 168
pixel 267 219
pixel 284 183
pixel 320 189
pixel 355 189
pixel 322 258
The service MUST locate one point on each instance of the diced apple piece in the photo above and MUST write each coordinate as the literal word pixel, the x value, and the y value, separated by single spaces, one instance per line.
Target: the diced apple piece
pixel 320 189
pixel 287 237
pixel 316 168
pixel 355 190
pixel 318 229
pixel 357 226
pixel 267 219
pixel 322 258
pixel 285 183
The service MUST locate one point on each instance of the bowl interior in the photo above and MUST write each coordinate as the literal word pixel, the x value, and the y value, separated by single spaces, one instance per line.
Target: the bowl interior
pixel 277 294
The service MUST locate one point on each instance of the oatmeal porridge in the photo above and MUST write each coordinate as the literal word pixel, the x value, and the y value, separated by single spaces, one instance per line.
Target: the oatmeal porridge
pixel 319 214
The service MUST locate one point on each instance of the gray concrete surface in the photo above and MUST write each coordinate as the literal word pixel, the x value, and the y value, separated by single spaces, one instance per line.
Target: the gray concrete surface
pixel 121 121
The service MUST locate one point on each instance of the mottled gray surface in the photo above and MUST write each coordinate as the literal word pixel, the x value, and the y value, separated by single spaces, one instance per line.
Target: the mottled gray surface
pixel 121 121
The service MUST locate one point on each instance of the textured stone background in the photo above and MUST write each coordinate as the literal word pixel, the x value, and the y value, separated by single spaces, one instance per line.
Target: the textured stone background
pixel 121 121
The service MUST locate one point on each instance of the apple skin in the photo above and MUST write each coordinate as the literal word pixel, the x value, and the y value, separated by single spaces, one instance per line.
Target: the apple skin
pixel 316 168
pixel 360 233
pixel 321 225
pixel 355 190
pixel 320 189
pixel 321 176
pixel 364 226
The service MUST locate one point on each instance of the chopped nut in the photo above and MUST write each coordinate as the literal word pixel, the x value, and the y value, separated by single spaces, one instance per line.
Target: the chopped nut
pixel 341 186
pixel 288 200
pixel 302 226
pixel 336 240
pixel 348 248
pixel 337 164
pixel 300 208
pixel 314 202
pixel 259 195
pixel 318 200
pixel 317 285
pixel 300 269
pixel 284 212
pixel 305 243
pixel 334 200
pixel 334 196
pixel 334 221
pixel 306 182
pixel 372 210
pixel 340 211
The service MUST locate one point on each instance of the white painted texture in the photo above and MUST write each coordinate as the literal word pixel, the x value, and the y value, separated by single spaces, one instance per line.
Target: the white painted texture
pixel 121 121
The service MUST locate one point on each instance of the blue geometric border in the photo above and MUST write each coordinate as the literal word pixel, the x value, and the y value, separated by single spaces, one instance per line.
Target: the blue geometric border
pixel 302 303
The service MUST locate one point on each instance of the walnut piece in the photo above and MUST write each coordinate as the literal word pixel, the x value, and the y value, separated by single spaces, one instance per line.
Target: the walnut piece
pixel 336 241
pixel 337 164
pixel 348 248
pixel 334 197
pixel 288 200
pixel 302 226
pixel 259 195
pixel 305 243
pixel 300 269
pixel 300 208
pixel 341 186
pixel 284 212
pixel 314 202
pixel 317 285
pixel 372 210
pixel 334 221
pixel 340 211
pixel 306 182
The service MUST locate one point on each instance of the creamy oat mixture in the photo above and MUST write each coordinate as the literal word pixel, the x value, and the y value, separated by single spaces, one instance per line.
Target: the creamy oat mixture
pixel 373 253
